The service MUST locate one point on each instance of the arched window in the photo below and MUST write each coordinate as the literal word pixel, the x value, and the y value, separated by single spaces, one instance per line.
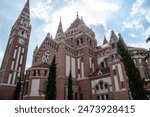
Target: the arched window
pixel 107 97
pixel 39 73
pixel 45 73
pixel 98 98
pixel 77 42
pixel 102 96
pixel 102 64
pixel 146 71
pixel 106 86
pixel 113 46
pixel 76 96
pixel 101 85
pixel 90 42
pixel 105 62
pixel 22 32
pixel 34 73
pixel 97 87
pixel 81 40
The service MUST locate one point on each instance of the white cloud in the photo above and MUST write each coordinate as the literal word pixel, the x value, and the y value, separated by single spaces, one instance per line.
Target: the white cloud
pixel 148 16
pixel 139 8
pixel 136 8
pixel 41 9
pixel 133 35
pixel 94 13
pixel 135 24
pixel 147 33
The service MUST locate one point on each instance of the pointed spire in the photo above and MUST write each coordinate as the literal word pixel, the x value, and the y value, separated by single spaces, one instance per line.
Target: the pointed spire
pixel 25 13
pixel 82 21
pixel 105 40
pixel 113 36
pixel 77 15
pixel 60 28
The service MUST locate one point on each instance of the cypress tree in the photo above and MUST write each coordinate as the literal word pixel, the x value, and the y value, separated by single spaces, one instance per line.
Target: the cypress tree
pixel 136 83
pixel 51 85
pixel 17 90
pixel 70 91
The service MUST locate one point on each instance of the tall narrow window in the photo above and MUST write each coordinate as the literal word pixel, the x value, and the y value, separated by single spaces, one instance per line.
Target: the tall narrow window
pixel 102 97
pixel 107 97
pixel 106 86
pixel 114 72
pixel 98 98
pixel 34 73
pixel 101 85
pixel 97 87
pixel 76 96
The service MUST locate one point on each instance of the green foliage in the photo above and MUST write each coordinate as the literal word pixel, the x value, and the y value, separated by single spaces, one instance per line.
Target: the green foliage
pixel 70 91
pixel 51 85
pixel 17 90
pixel 148 39
pixel 136 83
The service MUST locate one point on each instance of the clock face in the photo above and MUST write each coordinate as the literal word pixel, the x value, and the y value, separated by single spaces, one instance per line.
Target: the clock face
pixel 21 41
pixel 45 56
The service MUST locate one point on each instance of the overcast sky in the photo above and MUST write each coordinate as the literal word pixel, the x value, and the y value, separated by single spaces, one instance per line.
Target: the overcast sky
pixel 131 18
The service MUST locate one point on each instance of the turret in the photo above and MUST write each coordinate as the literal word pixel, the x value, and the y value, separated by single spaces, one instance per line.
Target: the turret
pixel 59 31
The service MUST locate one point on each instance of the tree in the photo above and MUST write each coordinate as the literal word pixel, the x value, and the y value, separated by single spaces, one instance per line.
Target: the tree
pixel 136 83
pixel 51 84
pixel 17 90
pixel 70 91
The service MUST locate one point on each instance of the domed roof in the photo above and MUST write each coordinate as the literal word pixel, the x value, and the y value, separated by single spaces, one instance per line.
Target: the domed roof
pixel 77 22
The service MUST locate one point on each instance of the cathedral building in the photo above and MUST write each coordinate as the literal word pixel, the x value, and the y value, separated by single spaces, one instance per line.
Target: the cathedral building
pixel 97 71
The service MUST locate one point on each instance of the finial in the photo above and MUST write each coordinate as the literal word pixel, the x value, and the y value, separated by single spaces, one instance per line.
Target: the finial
pixel 77 15
pixel 60 18
pixel 27 1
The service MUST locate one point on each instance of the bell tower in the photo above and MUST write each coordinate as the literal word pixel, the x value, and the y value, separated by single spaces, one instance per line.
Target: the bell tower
pixel 14 61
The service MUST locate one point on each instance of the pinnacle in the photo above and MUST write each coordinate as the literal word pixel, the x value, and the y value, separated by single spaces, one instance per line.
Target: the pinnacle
pixel 60 28
pixel 105 40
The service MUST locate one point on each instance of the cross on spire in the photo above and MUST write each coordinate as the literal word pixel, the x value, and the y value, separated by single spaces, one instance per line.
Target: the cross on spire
pixel 77 15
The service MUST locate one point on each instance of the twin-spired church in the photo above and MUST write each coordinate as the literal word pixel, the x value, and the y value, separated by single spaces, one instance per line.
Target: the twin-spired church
pixel 97 72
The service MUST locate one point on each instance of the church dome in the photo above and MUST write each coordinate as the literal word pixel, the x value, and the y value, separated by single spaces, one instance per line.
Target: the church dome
pixel 77 22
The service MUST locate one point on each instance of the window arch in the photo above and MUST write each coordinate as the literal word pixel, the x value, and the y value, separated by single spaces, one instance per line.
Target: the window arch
pixel 101 85
pixel 98 97
pixel 97 87
pixel 81 40
pixel 106 86
pixel 77 42
pixel 34 73
pixel 76 96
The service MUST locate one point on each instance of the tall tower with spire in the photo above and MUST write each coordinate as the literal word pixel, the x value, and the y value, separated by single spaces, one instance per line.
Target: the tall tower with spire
pixel 14 61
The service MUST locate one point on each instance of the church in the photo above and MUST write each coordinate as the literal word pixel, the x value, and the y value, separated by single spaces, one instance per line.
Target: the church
pixel 97 72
